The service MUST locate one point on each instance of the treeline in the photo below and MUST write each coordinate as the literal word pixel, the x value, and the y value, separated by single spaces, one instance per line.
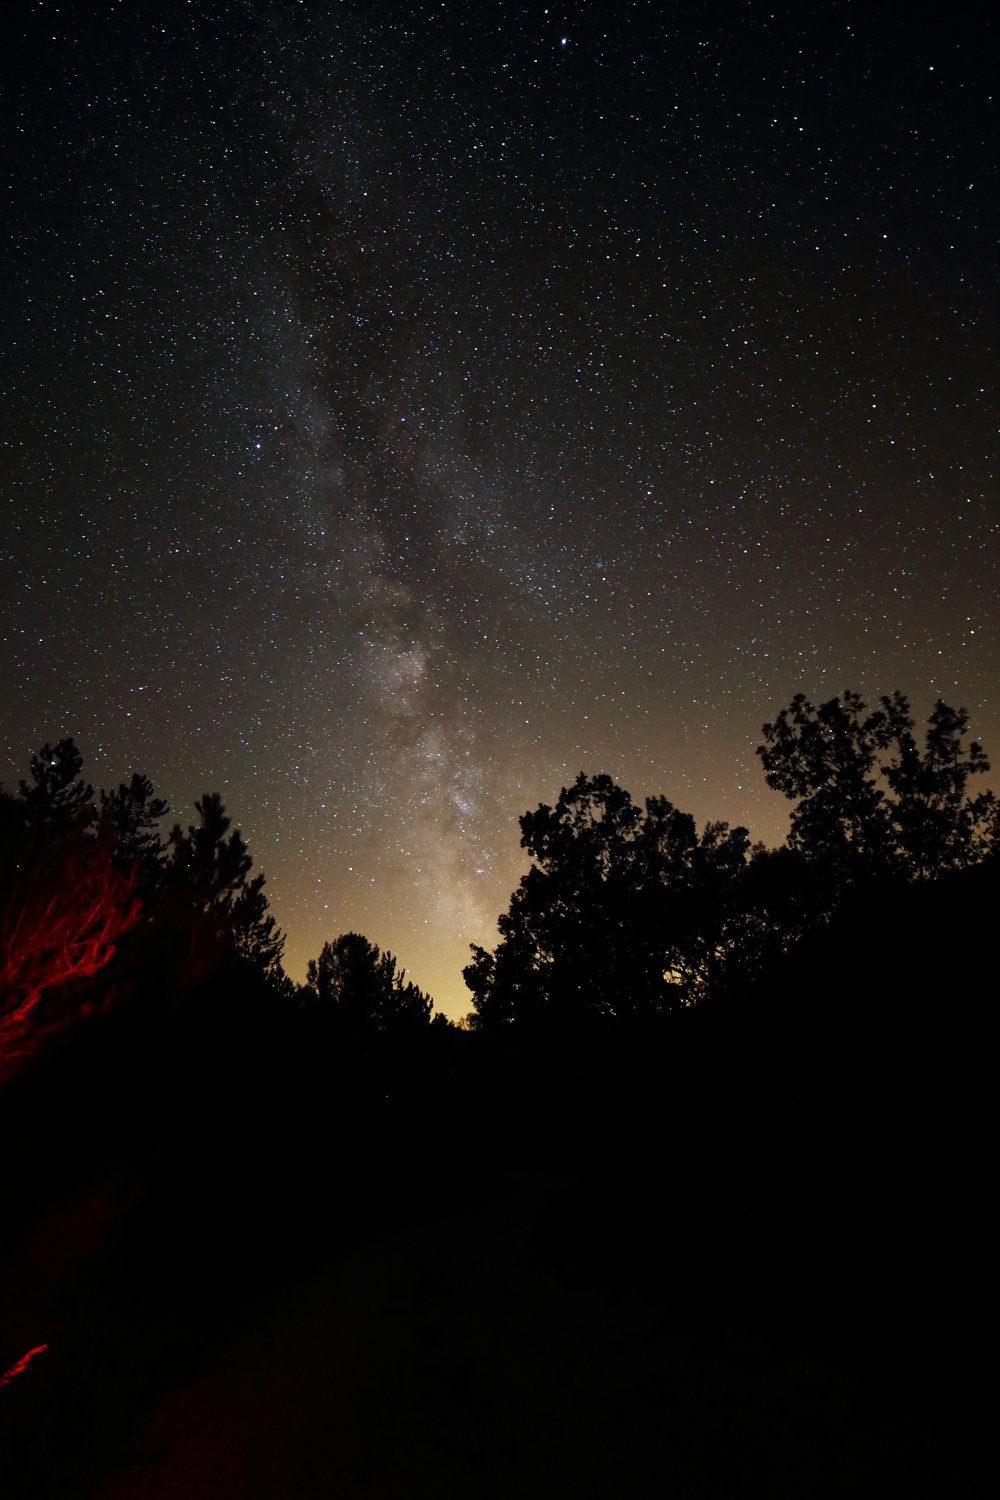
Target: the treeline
pixel 629 913
pixel 95 905
pixel 771 1069
pixel 625 912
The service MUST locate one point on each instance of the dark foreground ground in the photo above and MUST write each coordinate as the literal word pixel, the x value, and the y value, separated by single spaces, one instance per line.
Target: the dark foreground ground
pixel 743 1254
pixel 463 1358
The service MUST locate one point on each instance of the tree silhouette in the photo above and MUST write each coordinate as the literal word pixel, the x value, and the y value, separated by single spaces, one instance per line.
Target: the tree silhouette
pixel 937 825
pixel 827 757
pixel 361 988
pixel 206 896
pixel 70 893
pixel 207 865
pixel 258 939
pixel 135 815
pixel 57 794
pixel 869 804
pixel 623 912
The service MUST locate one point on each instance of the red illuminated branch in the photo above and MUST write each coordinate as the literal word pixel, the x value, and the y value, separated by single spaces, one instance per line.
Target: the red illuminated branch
pixel 62 923
pixel 22 1363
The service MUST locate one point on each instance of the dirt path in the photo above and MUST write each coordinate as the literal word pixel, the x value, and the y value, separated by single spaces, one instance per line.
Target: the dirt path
pixel 450 1360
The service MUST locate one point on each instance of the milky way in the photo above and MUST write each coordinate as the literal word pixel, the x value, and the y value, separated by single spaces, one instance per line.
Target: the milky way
pixel 406 408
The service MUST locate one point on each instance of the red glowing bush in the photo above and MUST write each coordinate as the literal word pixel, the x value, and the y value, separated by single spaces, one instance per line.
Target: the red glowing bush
pixel 60 922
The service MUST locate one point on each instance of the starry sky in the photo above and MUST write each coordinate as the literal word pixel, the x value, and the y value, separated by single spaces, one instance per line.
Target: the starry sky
pixel 406 407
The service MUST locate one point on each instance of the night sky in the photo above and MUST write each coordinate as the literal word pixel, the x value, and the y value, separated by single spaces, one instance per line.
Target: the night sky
pixel 406 407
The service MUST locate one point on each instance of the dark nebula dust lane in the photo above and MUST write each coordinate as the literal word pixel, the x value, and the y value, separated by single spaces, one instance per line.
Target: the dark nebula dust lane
pixel 405 407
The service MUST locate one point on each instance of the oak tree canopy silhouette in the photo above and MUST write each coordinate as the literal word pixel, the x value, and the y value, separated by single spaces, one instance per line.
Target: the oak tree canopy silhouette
pixel 623 911
pixel 631 912
pixel 868 803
